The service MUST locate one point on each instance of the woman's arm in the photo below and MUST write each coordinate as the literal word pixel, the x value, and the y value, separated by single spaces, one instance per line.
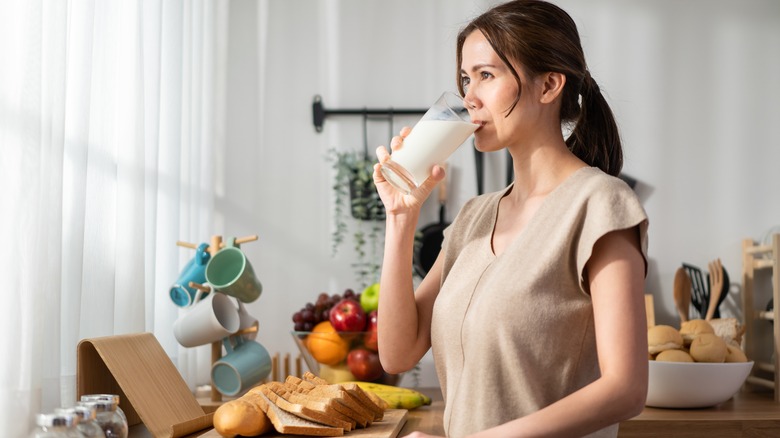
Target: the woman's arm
pixel 616 273
pixel 404 323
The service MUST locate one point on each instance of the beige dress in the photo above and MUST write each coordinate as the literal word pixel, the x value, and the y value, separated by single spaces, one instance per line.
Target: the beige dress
pixel 513 334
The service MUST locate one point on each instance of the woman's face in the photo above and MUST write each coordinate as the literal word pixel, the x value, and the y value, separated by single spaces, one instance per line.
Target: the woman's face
pixel 490 89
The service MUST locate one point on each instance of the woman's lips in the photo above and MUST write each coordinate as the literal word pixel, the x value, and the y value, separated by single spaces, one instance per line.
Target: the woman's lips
pixel 480 123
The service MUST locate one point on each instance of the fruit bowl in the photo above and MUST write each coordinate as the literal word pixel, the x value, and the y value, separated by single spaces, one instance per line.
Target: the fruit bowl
pixel 694 385
pixel 343 356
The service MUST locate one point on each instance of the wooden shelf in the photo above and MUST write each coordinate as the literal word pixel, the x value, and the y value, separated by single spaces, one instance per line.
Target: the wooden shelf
pixel 757 258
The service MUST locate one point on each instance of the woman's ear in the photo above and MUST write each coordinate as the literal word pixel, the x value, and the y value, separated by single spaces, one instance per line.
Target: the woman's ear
pixel 552 87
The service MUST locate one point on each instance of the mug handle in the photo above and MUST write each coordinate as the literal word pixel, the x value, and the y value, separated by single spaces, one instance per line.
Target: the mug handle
pixel 202 290
pixel 231 243
pixel 227 342
pixel 202 255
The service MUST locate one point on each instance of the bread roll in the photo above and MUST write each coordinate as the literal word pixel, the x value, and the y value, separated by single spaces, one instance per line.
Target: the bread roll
pixel 241 417
pixel 693 328
pixel 663 337
pixel 673 356
pixel 729 329
pixel 735 354
pixel 708 347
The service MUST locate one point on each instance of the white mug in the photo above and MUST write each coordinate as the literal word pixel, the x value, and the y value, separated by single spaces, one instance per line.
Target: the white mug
pixel 208 320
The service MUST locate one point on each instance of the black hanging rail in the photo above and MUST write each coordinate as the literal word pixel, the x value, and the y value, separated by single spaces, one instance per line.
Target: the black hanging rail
pixel 319 112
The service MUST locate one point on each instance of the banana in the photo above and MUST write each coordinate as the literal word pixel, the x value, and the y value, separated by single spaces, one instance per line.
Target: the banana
pixel 396 397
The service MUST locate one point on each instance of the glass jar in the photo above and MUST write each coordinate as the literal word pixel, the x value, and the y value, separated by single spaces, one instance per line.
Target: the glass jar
pixel 113 397
pixel 57 425
pixel 113 425
pixel 87 424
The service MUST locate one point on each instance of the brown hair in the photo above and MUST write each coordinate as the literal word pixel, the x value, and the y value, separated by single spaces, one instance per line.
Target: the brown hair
pixel 543 38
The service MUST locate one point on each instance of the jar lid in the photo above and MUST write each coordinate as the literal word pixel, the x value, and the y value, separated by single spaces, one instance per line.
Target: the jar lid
pixel 99 405
pixel 88 397
pixel 56 419
pixel 88 412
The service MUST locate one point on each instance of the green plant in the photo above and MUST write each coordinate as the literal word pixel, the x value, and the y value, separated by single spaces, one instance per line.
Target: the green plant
pixel 354 192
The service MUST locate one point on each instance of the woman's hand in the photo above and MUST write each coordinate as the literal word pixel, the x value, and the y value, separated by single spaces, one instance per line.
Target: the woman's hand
pixel 396 202
pixel 420 435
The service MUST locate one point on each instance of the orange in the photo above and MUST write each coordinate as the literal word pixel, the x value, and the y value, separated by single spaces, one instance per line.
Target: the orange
pixel 325 344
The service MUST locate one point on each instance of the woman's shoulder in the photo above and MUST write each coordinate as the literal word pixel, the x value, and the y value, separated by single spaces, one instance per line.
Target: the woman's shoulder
pixel 593 185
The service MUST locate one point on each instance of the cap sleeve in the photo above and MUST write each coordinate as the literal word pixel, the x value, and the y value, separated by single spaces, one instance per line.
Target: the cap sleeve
pixel 611 207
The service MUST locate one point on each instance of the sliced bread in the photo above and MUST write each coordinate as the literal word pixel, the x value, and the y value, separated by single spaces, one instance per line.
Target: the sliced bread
pixel 345 402
pixel 303 411
pixel 325 405
pixel 367 398
pixel 287 423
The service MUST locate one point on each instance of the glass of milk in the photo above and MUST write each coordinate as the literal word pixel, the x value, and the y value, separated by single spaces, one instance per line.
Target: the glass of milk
pixel 444 127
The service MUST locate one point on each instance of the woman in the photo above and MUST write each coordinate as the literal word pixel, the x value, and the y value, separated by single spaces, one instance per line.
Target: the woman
pixel 534 308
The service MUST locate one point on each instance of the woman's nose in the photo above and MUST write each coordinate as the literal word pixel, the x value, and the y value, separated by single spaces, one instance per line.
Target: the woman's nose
pixel 470 100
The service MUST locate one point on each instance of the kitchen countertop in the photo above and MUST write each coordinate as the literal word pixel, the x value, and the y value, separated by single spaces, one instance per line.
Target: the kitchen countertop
pixel 747 414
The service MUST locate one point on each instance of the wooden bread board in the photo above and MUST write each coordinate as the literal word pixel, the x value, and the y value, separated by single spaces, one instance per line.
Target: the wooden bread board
pixel 389 427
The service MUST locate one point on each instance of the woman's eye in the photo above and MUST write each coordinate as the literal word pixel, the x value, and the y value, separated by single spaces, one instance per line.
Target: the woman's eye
pixel 464 81
pixel 485 75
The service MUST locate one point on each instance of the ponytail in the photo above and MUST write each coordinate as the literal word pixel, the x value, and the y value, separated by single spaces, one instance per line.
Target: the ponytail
pixel 595 138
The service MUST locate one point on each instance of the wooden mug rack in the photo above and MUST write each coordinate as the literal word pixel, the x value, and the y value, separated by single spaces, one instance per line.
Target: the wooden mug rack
pixel 215 245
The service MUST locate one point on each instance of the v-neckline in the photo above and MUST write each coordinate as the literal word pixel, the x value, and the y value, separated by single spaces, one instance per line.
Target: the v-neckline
pixel 531 222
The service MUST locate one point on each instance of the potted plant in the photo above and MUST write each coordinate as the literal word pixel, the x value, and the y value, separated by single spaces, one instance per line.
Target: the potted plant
pixel 355 196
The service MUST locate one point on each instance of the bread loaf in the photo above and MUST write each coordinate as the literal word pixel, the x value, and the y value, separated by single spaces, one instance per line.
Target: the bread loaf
pixel 287 423
pixel 243 417
pixel 310 407
pixel 366 398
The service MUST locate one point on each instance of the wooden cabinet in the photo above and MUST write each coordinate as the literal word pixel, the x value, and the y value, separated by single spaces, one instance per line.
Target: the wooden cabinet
pixel 762 335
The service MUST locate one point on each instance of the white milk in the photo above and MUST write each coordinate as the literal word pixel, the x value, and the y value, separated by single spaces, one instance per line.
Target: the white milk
pixel 431 142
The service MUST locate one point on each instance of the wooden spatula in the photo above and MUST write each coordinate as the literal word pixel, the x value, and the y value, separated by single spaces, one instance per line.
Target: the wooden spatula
pixel 682 293
pixel 716 287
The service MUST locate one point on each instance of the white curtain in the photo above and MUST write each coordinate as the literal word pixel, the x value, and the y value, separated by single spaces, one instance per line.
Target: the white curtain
pixel 110 116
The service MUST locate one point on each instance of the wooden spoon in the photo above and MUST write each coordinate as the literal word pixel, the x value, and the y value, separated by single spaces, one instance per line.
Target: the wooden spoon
pixel 682 293
pixel 716 287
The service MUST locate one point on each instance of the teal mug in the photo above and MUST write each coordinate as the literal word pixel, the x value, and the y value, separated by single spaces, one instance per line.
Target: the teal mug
pixel 194 271
pixel 244 366
pixel 230 272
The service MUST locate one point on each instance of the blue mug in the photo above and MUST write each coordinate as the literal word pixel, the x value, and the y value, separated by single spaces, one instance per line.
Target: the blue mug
pixel 244 366
pixel 195 271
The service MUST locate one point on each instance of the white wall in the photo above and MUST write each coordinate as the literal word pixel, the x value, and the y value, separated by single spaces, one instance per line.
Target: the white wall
pixel 694 86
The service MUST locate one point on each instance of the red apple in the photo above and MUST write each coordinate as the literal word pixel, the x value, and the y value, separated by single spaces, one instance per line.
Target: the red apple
pixel 371 339
pixel 348 316
pixel 364 364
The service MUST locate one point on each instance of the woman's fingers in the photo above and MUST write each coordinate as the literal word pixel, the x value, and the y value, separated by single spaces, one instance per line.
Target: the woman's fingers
pixel 381 154
pixel 398 140
pixel 437 174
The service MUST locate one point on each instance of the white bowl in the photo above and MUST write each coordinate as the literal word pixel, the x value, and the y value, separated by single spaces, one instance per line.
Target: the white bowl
pixel 694 385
